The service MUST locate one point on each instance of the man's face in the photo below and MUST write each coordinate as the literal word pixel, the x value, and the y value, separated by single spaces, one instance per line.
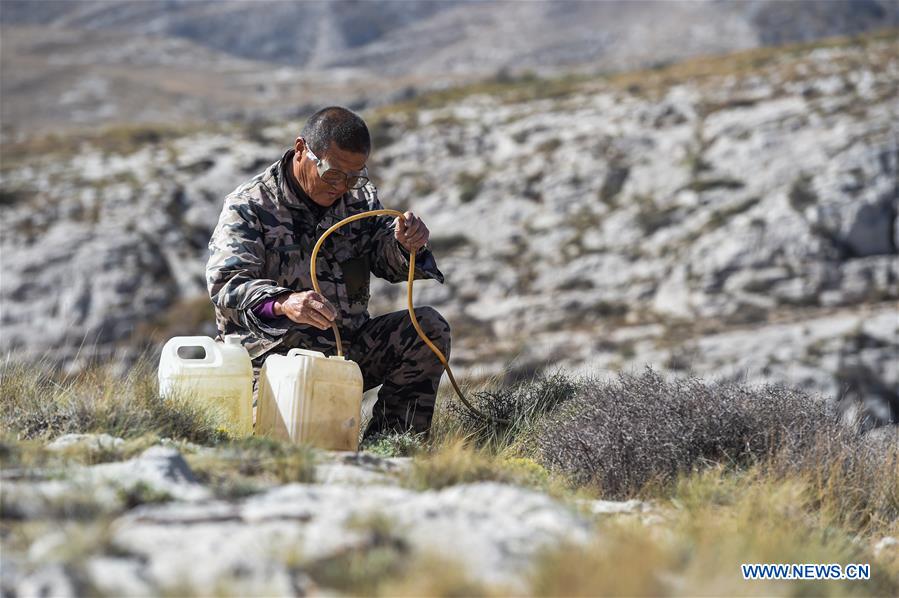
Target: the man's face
pixel 322 192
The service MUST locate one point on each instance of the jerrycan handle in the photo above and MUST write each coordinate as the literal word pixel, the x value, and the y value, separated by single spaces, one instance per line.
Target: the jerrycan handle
pixel 306 352
pixel 213 355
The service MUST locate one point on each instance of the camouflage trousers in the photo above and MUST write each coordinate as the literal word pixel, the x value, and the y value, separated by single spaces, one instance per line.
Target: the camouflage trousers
pixel 390 353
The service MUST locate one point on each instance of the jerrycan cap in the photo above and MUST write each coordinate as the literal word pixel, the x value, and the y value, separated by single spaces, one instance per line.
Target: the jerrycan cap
pixel 233 340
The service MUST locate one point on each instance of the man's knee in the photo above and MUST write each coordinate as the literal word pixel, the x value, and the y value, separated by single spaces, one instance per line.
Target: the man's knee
pixel 434 325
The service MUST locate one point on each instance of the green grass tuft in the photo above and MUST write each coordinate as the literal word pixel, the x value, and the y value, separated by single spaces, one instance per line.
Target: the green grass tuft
pixel 243 467
pixel 405 444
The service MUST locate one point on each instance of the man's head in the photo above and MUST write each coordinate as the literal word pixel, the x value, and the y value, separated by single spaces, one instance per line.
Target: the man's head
pixel 339 140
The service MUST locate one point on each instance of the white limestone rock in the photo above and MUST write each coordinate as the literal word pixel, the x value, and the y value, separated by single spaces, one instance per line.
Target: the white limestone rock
pixel 493 530
pixel 92 442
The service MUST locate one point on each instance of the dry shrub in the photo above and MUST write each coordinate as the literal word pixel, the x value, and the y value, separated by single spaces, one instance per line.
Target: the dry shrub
pixel 641 428
pixel 850 477
pixel 512 412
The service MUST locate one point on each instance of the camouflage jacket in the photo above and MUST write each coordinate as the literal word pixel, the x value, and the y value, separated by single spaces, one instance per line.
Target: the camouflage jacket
pixel 262 247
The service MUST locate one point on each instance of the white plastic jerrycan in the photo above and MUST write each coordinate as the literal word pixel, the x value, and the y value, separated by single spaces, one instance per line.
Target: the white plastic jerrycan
pixel 221 380
pixel 307 397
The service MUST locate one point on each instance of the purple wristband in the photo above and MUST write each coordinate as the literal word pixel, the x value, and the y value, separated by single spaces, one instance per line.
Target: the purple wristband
pixel 266 309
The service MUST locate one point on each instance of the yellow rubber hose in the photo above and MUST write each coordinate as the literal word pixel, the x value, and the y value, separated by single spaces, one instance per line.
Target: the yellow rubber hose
pixel 409 306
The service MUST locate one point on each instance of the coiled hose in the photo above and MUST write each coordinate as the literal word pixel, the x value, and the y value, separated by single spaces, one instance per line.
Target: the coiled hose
pixel 409 306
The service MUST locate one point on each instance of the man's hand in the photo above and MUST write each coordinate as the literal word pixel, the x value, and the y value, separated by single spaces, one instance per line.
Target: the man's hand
pixel 306 307
pixel 411 232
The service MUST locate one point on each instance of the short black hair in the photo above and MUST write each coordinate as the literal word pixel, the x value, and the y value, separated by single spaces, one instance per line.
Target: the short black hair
pixel 340 125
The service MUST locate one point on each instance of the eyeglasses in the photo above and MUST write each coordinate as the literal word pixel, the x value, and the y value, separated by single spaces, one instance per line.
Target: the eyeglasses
pixel 335 177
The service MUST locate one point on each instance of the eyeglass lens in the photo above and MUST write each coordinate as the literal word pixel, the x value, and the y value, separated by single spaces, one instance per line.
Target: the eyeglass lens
pixel 336 177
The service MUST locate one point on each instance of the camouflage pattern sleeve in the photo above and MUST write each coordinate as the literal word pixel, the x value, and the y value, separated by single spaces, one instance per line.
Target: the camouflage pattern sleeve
pixel 236 273
pixel 390 260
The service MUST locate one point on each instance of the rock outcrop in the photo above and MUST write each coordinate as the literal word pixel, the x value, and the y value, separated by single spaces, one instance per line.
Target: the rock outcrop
pixel 159 526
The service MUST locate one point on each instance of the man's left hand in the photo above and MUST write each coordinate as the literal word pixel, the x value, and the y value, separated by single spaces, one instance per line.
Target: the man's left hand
pixel 411 232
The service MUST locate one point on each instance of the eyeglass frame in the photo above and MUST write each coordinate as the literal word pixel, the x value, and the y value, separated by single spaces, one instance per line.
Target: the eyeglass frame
pixel 323 166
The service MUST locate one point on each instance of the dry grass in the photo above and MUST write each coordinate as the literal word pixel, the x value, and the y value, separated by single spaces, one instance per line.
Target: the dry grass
pixel 34 454
pixel 460 463
pixel 850 479
pixel 185 317
pixel 37 402
pixel 114 139
pixel 245 466
pixel 714 521
pixel 742 64
pixel 431 575
pixel 651 82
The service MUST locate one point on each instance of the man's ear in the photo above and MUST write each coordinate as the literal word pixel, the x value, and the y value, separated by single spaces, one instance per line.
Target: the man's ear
pixel 300 146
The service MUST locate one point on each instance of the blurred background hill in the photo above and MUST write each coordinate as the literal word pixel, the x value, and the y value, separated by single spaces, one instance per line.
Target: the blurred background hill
pixel 88 62
pixel 706 187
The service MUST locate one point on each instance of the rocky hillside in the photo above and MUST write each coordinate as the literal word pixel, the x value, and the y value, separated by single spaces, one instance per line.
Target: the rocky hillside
pixel 391 36
pixel 732 216
pixel 85 63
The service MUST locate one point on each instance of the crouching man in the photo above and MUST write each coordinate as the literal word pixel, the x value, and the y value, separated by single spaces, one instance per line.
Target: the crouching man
pixel 258 274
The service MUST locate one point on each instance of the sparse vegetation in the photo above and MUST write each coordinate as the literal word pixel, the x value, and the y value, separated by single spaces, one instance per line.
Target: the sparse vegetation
pixel 384 564
pixel 736 474
pixel 184 317
pixel 717 520
pixel 242 467
pixel 651 217
pixel 449 243
pixel 404 444
pixel 702 185
pixel 801 194
pixel 40 403
pixel 642 431
pixel 115 139
pixel 457 463
pixel 723 216
pixel 613 183
pixel 522 405
pixel 469 185
pixel 359 570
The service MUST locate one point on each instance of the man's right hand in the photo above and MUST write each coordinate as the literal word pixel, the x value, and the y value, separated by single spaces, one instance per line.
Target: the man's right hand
pixel 306 307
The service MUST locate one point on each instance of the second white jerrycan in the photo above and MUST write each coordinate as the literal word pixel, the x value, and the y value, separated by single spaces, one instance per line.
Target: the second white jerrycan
pixel 307 397
pixel 221 380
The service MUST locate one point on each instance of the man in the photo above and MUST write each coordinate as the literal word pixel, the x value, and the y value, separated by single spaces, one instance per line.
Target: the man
pixel 259 280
